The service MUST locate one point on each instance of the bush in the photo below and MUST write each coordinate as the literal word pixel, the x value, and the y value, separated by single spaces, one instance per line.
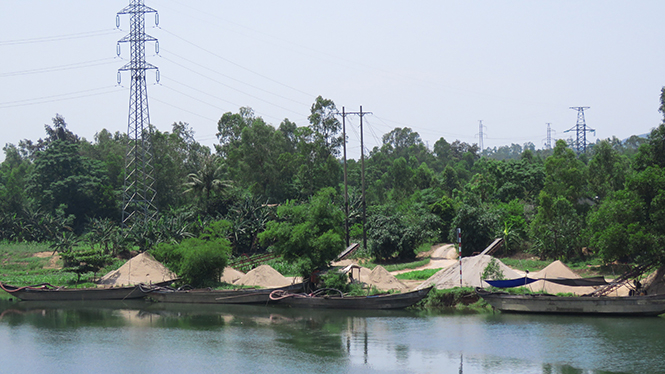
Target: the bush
pixel 82 261
pixel 493 271
pixel 337 280
pixel 198 261
pixel 393 236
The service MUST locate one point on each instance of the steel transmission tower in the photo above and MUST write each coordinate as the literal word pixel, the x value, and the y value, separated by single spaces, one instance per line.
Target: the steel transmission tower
pixel 548 141
pixel 481 135
pixel 138 199
pixel 580 129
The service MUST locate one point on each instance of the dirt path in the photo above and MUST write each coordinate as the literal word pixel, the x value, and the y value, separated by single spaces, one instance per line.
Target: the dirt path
pixel 441 256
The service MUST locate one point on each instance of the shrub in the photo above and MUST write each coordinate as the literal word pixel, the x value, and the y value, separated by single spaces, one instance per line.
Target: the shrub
pixel 198 261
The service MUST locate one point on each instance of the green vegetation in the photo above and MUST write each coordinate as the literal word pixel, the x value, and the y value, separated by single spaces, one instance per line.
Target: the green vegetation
pixel 337 281
pixel 20 266
pixel 279 188
pixel 532 265
pixel 417 274
pixel 398 267
pixel 309 234
pixel 460 298
pixel 198 261
pixel 492 271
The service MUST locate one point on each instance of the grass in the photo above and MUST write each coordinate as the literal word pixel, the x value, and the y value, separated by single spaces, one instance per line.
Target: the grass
pixel 460 298
pixel 20 267
pixel 417 274
pixel 424 248
pixel 396 267
pixel 530 265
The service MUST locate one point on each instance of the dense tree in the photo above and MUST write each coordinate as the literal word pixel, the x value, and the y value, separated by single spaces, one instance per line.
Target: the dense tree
pixel 175 155
pixel 325 125
pixel 206 183
pixel 630 224
pixel 607 169
pixel 64 179
pixel 310 234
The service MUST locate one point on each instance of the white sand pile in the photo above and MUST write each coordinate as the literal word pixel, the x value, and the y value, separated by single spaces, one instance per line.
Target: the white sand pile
pixel 379 278
pixel 444 252
pixel 556 269
pixel 140 269
pixel 231 275
pixel 263 276
pixel 472 270
pixel 654 284
pixel 383 280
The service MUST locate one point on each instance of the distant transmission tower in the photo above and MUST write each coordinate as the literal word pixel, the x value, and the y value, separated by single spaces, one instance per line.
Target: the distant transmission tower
pixel 138 199
pixel 548 141
pixel 581 129
pixel 481 135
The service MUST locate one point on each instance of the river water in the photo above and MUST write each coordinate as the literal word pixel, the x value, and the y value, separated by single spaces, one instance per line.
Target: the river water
pixel 140 337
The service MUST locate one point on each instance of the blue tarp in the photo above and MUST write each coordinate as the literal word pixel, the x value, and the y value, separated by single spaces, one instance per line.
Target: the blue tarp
pixel 508 283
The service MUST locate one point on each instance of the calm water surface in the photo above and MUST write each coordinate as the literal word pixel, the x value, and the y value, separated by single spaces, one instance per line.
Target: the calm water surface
pixel 140 337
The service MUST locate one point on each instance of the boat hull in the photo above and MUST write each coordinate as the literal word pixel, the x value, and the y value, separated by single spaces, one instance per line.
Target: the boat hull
pixel 534 303
pixel 388 301
pixel 74 294
pixel 201 296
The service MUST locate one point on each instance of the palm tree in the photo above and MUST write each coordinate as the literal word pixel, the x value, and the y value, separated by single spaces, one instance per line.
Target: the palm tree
pixel 207 180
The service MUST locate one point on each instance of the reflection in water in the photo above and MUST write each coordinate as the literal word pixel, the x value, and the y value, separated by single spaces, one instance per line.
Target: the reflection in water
pixel 90 336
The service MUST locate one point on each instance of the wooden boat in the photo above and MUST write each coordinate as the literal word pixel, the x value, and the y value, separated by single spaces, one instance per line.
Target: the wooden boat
pixel 206 296
pixel 383 301
pixel 47 292
pixel 651 305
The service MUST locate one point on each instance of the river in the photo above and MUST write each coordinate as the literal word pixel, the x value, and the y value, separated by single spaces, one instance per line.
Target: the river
pixel 140 337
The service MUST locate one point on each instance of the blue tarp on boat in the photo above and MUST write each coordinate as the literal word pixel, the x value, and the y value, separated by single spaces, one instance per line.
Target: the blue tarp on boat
pixel 508 283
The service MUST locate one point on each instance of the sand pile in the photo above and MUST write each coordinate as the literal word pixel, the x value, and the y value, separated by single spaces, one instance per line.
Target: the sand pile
pixel 444 252
pixel 140 269
pixel 556 269
pixel 231 275
pixel 472 270
pixel 654 284
pixel 380 278
pixel 263 276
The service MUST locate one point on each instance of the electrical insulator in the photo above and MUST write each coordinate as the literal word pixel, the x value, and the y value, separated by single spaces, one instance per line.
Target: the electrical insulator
pixel 117 49
pixel 117 21
pixel 119 77
pixel 156 19
pixel 157 47
pixel 157 75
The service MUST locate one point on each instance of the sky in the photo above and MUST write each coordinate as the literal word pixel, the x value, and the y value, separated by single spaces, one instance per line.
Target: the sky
pixel 438 67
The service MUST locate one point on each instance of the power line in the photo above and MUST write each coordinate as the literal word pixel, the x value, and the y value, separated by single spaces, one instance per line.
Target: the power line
pixel 45 39
pixel 59 97
pixel 236 64
pixel 77 65
pixel 230 87
pixel 229 77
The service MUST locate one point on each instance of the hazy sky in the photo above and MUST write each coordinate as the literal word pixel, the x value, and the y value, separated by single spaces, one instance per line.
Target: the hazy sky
pixel 437 67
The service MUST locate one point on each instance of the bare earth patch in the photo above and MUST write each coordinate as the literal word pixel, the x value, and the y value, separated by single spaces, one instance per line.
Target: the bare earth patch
pixel 52 262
